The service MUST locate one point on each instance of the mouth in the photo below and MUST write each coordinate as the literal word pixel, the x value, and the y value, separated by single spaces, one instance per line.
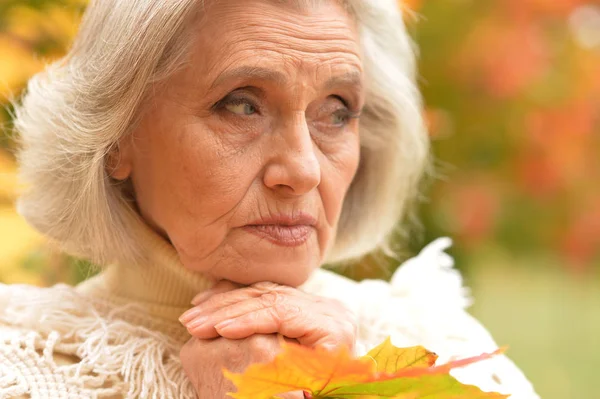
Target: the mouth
pixel 282 235
pixel 284 230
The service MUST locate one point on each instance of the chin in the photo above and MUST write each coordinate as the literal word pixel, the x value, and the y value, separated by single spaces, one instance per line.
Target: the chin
pixel 256 260
pixel 292 274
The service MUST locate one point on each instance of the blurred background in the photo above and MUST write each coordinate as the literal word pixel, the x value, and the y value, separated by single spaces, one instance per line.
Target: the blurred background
pixel 512 89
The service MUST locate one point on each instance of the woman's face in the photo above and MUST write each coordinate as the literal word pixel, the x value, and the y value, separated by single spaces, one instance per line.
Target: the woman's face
pixel 243 160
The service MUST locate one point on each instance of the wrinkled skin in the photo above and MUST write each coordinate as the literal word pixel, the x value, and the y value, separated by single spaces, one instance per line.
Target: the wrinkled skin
pixel 233 355
pixel 244 325
pixel 261 125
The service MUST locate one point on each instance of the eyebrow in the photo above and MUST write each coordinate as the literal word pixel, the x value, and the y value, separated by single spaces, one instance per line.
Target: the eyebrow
pixel 353 78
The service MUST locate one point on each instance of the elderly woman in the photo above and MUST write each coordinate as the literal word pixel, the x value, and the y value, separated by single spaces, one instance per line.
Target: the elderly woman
pixel 218 153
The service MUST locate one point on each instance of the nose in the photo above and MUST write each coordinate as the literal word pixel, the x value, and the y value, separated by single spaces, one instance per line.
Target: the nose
pixel 293 167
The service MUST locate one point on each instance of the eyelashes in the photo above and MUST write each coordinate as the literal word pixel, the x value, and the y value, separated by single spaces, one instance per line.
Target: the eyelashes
pixel 232 100
pixel 239 106
pixel 334 114
pixel 344 116
pixel 237 96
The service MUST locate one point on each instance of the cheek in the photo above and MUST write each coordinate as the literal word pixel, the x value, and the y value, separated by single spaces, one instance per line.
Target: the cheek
pixel 337 174
pixel 204 185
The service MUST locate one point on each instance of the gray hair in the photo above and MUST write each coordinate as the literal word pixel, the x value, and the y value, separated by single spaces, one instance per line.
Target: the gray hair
pixel 76 111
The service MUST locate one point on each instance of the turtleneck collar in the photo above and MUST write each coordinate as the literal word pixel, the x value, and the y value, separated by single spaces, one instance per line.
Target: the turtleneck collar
pixel 163 285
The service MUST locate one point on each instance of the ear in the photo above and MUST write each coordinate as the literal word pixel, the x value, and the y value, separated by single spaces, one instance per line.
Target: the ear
pixel 119 160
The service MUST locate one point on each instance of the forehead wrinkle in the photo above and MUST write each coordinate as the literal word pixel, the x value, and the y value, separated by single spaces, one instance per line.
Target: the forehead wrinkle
pixel 329 42
pixel 322 32
pixel 278 60
pixel 296 5
pixel 250 72
pixel 308 27
pixel 303 5
pixel 282 42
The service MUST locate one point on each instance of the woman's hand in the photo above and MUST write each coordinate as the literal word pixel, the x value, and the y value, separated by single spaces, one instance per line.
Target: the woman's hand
pixel 204 360
pixel 233 327
pixel 267 308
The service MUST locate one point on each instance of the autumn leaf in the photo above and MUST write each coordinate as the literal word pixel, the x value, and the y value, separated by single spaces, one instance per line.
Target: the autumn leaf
pixel 440 386
pixel 385 372
pixel 300 368
pixel 390 359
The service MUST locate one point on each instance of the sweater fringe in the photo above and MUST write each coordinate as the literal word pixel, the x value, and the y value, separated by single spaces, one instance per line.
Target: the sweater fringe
pixel 112 356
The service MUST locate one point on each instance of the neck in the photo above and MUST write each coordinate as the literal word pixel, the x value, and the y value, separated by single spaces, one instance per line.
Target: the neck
pixel 164 285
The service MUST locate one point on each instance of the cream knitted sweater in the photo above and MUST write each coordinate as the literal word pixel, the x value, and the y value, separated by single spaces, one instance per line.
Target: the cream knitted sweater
pixel 117 336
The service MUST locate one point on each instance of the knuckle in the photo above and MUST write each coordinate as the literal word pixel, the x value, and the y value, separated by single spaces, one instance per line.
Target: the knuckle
pixel 286 311
pixel 281 307
pixel 270 299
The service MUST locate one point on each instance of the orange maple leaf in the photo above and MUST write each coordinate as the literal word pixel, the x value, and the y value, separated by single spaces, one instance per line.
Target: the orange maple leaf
pixel 300 368
pixel 385 372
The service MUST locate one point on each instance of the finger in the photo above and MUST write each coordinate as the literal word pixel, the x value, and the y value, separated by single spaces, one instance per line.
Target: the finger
pixel 221 287
pixel 283 306
pixel 260 322
pixel 220 300
pixel 202 326
pixel 216 300
pixel 310 329
pixel 253 291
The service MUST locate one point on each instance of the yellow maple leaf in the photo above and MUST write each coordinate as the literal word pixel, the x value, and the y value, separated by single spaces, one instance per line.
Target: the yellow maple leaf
pixel 390 359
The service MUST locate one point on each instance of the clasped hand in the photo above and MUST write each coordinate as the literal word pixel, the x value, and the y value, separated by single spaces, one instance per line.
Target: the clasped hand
pixel 233 327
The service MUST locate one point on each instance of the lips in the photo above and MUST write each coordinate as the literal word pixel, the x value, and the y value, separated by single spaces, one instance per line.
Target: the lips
pixel 284 230
pixel 286 236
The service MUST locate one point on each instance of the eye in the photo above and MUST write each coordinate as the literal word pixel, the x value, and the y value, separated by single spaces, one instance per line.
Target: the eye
pixel 240 107
pixel 341 117
pixel 335 113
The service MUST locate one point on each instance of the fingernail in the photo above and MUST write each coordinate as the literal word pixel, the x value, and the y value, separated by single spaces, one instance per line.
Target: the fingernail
pixel 189 315
pixel 224 324
pixel 196 323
